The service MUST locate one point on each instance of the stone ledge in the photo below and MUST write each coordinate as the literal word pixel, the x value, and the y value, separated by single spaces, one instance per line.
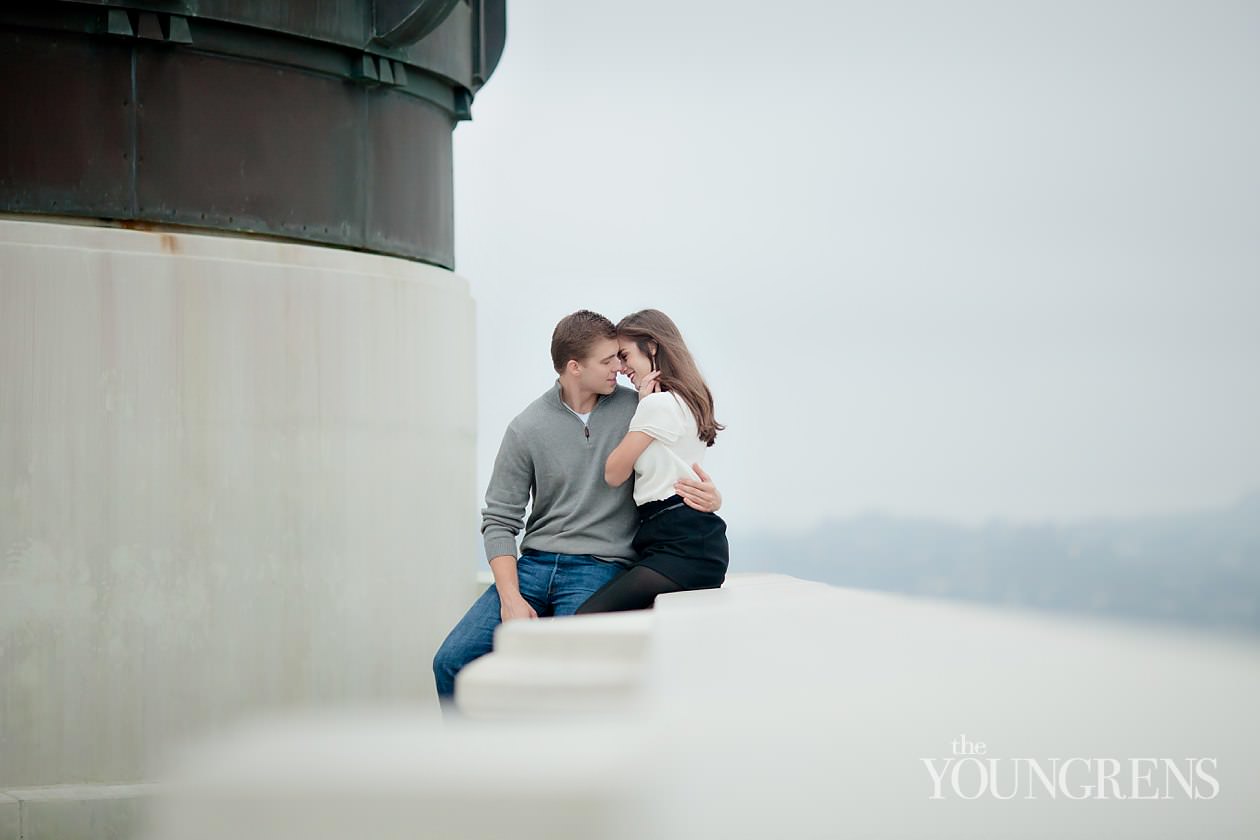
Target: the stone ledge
pixel 515 687
pixel 590 664
pixel 559 666
pixel 74 812
pixel 621 637
pixel 770 708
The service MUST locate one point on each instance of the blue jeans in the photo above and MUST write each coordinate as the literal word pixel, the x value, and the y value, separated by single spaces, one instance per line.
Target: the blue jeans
pixel 553 584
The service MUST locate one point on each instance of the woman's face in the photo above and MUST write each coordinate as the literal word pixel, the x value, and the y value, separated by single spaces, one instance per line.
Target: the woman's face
pixel 634 362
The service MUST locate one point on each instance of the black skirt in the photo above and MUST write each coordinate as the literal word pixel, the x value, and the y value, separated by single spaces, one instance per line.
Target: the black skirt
pixel 687 546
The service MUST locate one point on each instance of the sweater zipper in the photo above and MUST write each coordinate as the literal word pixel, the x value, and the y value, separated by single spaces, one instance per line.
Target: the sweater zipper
pixel 586 429
pixel 585 426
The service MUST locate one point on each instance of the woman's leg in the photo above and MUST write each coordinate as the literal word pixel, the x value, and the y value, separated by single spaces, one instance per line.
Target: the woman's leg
pixel 577 578
pixel 634 590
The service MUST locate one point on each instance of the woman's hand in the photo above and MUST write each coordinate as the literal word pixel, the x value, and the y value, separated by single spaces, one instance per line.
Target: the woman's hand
pixel 515 607
pixel 702 495
pixel 648 384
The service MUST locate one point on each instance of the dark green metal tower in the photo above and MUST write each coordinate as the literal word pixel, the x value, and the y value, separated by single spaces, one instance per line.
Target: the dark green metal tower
pixel 327 121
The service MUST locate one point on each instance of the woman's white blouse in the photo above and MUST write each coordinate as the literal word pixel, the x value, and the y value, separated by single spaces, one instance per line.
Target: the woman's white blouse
pixel 676 445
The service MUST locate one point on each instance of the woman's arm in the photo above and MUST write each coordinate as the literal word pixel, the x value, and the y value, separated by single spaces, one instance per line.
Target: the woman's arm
pixel 620 465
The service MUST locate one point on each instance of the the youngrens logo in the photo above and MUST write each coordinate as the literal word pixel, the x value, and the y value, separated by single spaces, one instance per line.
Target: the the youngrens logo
pixel 970 773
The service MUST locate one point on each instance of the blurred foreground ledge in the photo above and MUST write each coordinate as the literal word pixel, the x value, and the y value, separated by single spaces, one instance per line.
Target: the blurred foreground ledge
pixel 771 707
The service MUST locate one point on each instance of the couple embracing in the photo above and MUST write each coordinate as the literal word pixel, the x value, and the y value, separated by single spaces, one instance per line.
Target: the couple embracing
pixel 595 540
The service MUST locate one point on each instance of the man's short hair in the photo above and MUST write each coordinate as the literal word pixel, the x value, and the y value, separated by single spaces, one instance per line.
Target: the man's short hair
pixel 576 334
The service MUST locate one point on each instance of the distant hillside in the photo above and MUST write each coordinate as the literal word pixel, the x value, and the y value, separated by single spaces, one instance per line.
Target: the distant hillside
pixel 1199 569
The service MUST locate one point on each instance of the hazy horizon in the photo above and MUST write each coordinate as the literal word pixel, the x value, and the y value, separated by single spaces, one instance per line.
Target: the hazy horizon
pixel 1199 569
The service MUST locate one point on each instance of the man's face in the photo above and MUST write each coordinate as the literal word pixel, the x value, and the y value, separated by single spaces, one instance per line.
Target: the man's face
pixel 598 372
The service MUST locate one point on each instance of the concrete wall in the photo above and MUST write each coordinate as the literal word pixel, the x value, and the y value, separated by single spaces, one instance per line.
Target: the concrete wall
pixel 235 475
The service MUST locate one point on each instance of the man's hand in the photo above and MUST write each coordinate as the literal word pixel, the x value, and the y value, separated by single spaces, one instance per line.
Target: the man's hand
pixel 511 603
pixel 515 607
pixel 702 495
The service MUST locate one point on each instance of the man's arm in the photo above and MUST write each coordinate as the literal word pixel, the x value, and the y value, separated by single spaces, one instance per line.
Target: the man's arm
pixel 702 495
pixel 511 603
pixel 502 519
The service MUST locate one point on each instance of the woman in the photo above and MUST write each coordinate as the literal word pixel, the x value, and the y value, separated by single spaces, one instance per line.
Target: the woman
pixel 679 547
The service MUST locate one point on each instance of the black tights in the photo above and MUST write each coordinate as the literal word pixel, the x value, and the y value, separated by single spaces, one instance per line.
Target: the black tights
pixel 634 589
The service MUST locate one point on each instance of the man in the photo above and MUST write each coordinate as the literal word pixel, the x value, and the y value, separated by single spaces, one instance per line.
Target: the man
pixel 580 530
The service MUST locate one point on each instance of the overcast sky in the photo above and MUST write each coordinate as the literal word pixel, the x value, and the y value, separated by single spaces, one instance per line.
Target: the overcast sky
pixel 959 260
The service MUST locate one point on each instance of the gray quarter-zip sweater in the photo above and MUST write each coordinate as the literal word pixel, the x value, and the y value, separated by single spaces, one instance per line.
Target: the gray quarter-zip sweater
pixel 549 453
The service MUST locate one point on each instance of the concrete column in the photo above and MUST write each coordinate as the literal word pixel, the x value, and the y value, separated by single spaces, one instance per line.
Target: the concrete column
pixel 235 475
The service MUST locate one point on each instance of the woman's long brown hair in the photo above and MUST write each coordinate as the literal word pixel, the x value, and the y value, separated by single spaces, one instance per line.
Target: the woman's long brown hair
pixel 678 369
